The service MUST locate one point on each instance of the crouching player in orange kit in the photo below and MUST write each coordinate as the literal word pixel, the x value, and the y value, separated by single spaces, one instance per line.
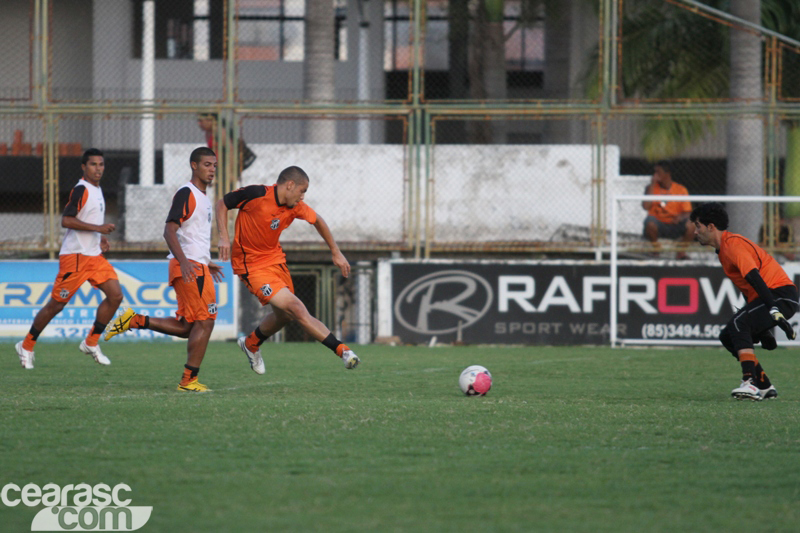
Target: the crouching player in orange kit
pixel 188 235
pixel 258 259
pixel 771 298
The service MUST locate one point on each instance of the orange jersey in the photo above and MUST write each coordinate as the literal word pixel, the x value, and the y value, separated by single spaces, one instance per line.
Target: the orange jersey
pixel 669 212
pixel 739 255
pixel 259 225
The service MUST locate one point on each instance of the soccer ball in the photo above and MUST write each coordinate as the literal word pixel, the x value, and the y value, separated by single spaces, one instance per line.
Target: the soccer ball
pixel 475 380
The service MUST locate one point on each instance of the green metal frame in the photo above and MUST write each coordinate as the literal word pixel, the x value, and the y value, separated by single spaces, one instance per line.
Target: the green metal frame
pixel 419 113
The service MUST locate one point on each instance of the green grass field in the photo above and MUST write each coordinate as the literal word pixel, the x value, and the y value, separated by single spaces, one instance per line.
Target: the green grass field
pixel 569 439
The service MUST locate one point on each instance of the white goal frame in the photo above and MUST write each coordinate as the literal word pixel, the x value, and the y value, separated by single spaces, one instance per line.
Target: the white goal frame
pixel 614 262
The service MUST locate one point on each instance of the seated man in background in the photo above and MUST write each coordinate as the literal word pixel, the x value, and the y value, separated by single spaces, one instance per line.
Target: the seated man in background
pixel 668 220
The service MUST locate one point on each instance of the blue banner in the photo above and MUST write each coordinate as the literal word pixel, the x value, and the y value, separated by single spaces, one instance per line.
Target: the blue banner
pixel 25 287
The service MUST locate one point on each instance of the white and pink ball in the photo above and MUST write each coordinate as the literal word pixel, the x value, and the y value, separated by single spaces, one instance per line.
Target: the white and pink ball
pixel 475 380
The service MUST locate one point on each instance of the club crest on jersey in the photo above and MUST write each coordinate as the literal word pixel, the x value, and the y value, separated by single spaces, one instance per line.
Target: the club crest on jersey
pixel 274 224
pixel 266 290
pixel 212 308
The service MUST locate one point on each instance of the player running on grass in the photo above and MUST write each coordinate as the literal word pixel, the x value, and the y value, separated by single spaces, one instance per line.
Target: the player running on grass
pixel 771 297
pixel 188 235
pixel 258 259
pixel 79 260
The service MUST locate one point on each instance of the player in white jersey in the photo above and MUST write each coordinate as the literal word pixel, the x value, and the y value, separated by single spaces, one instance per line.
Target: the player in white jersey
pixel 188 235
pixel 80 260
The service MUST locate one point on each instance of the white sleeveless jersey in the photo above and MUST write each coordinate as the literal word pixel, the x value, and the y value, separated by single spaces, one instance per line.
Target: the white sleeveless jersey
pixel 191 210
pixel 86 203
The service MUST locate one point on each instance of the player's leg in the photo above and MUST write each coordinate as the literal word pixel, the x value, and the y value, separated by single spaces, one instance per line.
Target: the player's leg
pixel 68 280
pixel 750 323
pixel 26 346
pixel 200 333
pixel 251 344
pixel 176 327
pixel 197 307
pixel 105 312
pixel 263 284
pixel 296 310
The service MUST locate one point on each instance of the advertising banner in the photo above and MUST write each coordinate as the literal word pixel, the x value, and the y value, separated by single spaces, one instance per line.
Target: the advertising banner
pixel 554 302
pixel 25 287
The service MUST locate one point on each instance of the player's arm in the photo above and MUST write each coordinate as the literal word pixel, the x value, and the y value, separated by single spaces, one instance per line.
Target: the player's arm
pixel 224 241
pixel 338 258
pixel 216 271
pixel 757 282
pixel 69 218
pixel 171 236
pixel 73 223
pixel 233 200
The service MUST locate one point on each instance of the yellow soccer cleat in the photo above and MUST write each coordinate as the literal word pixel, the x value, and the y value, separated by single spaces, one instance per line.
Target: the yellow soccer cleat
pixel 121 324
pixel 193 386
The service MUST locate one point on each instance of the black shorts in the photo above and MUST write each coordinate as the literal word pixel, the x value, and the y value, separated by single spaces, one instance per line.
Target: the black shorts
pixel 754 318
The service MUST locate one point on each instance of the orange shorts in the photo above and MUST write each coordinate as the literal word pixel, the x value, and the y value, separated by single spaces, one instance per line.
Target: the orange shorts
pixel 197 300
pixel 75 269
pixel 265 282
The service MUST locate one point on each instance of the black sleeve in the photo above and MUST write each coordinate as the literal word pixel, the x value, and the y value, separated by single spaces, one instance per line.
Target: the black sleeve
pixel 75 202
pixel 754 278
pixel 235 199
pixel 180 206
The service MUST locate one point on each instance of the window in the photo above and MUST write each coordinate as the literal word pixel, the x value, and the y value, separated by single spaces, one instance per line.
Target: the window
pixel 184 29
pixel 524 32
pixel 267 30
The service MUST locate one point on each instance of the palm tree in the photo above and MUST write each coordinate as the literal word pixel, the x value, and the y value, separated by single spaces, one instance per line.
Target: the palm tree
pixel 318 66
pixel 746 135
pixel 486 68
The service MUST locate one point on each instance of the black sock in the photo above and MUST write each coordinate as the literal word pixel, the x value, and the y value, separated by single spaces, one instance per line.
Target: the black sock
pixel 146 322
pixel 34 333
pixel 261 336
pixel 193 369
pixel 98 328
pixel 761 379
pixel 748 370
pixel 331 342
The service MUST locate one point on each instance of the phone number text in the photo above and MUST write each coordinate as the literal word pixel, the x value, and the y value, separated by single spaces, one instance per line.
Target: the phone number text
pixel 680 331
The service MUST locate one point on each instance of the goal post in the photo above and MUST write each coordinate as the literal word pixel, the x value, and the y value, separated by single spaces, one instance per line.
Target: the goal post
pixel 707 298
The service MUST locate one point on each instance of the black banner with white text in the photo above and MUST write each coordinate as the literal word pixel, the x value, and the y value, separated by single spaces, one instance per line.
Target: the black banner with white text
pixel 552 302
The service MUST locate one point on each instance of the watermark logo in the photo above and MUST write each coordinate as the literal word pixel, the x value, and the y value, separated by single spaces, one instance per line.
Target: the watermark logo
pixel 80 507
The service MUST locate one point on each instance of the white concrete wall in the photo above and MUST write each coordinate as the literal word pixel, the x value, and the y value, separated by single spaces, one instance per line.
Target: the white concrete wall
pixel 480 193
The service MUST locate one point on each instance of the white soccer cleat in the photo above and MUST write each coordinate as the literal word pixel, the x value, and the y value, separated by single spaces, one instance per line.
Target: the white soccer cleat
pixel 747 391
pixel 25 357
pixel 256 362
pixel 95 352
pixel 769 393
pixel 350 359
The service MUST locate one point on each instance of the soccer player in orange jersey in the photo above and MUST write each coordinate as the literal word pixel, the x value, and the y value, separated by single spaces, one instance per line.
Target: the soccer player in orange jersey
pixel 771 297
pixel 188 235
pixel 667 219
pixel 80 260
pixel 258 259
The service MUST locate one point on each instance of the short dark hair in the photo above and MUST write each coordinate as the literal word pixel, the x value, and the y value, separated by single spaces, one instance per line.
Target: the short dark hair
pixel 711 213
pixel 89 153
pixel 295 174
pixel 199 153
pixel 665 166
